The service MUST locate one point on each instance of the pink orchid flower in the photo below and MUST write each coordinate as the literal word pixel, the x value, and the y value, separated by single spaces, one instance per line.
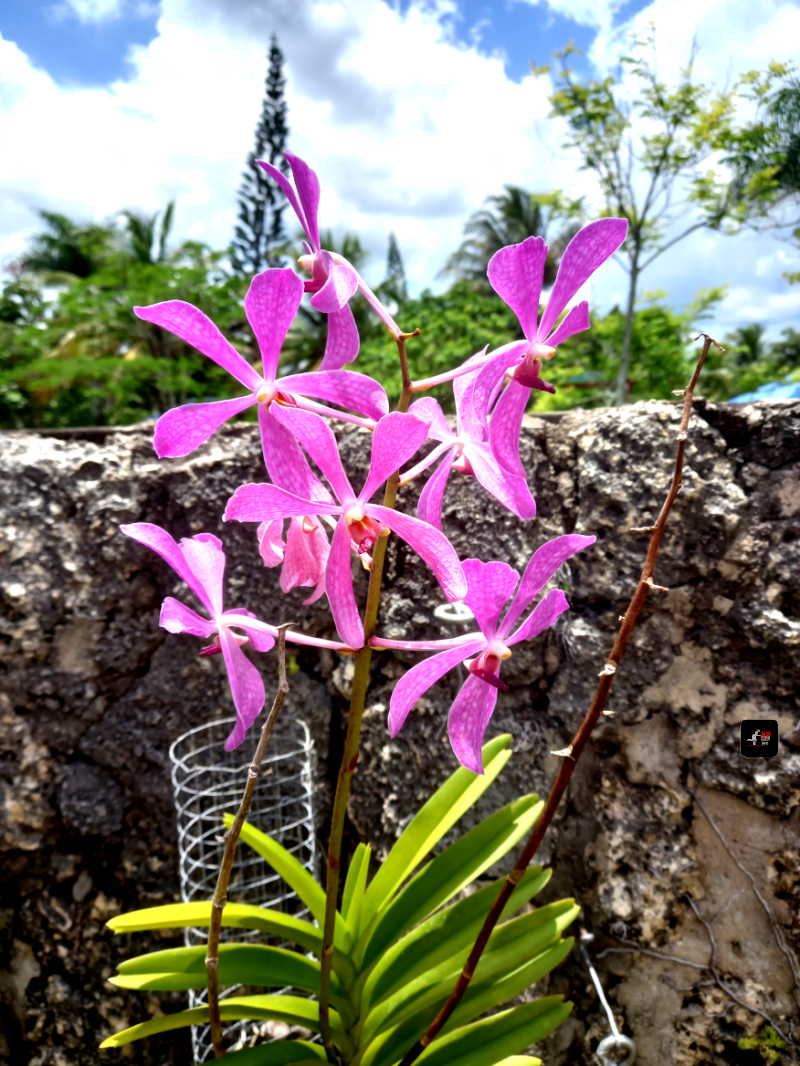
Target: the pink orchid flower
pixel 490 586
pixel 270 305
pixel 516 274
pixel 333 280
pixel 303 556
pixel 396 438
pixel 200 562
pixel 468 452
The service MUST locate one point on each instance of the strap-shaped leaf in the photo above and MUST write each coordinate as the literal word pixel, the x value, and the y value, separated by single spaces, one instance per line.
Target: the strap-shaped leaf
pixel 429 825
pixel 293 872
pixel 483 1043
pixel 520 1060
pixel 510 946
pixel 291 1009
pixel 283 1052
pixel 178 969
pixel 235 916
pixel 447 874
pixel 440 937
pixel 354 889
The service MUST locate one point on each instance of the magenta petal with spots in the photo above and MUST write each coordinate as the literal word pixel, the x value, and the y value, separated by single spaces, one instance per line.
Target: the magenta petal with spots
pixel 290 194
pixel 356 392
pixel 160 541
pixel 265 503
pixel 286 464
pixel 206 559
pixel 515 274
pixel 181 430
pixel 428 410
pixel 509 489
pixel 191 325
pixel 396 439
pixel 318 440
pixel 542 567
pixel 469 716
pixel 339 586
pixel 307 551
pixel 575 321
pixel 543 615
pixel 587 250
pixel 176 617
pixel 419 679
pixel 506 426
pixel 257 637
pixel 339 287
pixel 429 508
pixel 247 688
pixel 307 185
pixel 343 341
pixel 431 545
pixel 271 546
pixel 270 305
pixel 490 586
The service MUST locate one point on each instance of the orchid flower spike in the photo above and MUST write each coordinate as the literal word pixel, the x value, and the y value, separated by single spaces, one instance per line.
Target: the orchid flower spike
pixel 333 279
pixel 200 562
pixel 396 438
pixel 516 273
pixel 468 452
pixel 490 586
pixel 270 305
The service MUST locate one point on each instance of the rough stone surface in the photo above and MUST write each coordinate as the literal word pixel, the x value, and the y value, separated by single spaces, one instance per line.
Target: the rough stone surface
pixel 666 834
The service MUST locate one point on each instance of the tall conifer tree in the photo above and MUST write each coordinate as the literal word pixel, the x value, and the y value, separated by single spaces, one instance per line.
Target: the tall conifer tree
pixel 261 202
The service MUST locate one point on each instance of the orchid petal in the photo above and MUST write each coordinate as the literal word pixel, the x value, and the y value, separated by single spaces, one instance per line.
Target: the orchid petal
pixel 307 185
pixel 343 342
pixel 543 615
pixel 270 542
pixel 542 566
pixel 191 325
pixel 469 716
pixel 181 430
pixel 286 464
pixel 575 321
pixel 431 545
pixel 270 305
pixel 428 410
pixel 396 438
pixel 516 274
pixel 509 489
pixel 247 688
pixel 206 559
pixel 291 196
pixel 429 645
pixel 356 392
pixel 341 283
pixel 587 250
pixel 429 508
pixel 306 559
pixel 176 617
pixel 420 678
pixel 491 374
pixel 378 307
pixel 490 586
pixel 318 440
pixel 258 638
pixel 506 426
pixel 467 421
pixel 161 542
pixel 265 503
pixel 339 586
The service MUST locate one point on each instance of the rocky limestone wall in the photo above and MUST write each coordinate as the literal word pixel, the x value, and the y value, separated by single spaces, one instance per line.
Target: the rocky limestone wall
pixel 683 854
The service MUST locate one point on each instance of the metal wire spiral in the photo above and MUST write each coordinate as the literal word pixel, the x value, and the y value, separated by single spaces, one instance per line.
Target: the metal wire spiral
pixel 208 782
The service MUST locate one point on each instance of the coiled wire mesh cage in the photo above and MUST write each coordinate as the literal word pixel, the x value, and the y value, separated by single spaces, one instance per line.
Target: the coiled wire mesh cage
pixel 208 782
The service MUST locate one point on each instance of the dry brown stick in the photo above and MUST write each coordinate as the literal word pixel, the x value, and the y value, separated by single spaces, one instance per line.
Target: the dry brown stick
pixel 231 840
pixel 573 752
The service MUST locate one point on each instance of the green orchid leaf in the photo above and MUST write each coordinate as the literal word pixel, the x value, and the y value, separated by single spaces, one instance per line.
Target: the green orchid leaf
pixel 483 1043
pixel 461 790
pixel 440 937
pixel 279 1053
pixel 447 874
pixel 510 945
pixel 291 1009
pixel 292 871
pixel 235 916
pixel 354 889
pixel 520 1060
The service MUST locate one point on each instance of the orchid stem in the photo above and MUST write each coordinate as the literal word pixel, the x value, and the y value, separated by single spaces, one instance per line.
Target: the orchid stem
pixel 231 840
pixel 350 755
pixel 572 753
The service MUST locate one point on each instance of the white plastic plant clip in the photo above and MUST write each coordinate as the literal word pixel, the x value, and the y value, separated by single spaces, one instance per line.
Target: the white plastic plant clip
pixel 455 613
pixel 616 1049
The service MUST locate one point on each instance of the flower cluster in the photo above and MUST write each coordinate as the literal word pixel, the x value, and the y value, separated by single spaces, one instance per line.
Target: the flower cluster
pixel 491 391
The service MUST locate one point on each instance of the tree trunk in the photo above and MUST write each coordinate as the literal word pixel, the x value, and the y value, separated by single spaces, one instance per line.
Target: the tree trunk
pixel 622 394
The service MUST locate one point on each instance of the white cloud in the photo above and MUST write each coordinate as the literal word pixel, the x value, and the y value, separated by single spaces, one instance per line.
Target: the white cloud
pixel 101 10
pixel 408 129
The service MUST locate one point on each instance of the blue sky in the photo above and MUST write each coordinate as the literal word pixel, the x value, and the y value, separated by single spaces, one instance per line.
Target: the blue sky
pixel 411 111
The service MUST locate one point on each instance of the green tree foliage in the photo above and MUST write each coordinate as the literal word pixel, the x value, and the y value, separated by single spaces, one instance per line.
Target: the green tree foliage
pixel 510 218
pixel 650 156
pixel 67 247
pixel 146 235
pixel 259 232
pixel 395 282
